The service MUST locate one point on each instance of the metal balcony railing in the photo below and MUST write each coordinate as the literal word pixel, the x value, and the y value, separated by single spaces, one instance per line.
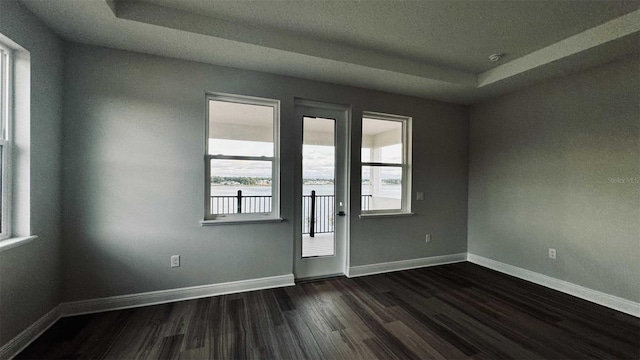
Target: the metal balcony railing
pixel 318 214
pixel 318 211
pixel 239 204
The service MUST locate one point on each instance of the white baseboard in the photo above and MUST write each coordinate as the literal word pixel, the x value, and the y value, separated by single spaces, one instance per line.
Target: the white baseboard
pixel 172 295
pixel 22 340
pixel 26 337
pixel 600 298
pixel 380 268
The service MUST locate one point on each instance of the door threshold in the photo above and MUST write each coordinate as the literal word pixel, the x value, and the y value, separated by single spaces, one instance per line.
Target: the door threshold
pixel 319 278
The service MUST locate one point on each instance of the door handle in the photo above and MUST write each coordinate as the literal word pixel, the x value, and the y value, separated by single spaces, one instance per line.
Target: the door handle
pixel 341 213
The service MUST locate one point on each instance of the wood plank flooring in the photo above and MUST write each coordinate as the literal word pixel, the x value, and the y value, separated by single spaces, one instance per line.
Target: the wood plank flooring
pixel 458 311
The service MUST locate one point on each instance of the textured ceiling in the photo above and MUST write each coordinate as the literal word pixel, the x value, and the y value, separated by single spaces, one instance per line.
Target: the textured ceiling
pixel 431 49
pixel 456 34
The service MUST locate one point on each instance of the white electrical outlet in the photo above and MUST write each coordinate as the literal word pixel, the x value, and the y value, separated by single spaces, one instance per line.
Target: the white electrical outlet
pixel 427 238
pixel 420 195
pixel 175 260
pixel 552 253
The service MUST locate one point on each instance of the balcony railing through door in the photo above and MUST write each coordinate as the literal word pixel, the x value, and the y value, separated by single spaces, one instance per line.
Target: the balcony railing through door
pixel 318 211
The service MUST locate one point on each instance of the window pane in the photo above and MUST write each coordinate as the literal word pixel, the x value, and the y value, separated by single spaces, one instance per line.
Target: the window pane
pixel 240 129
pixel 381 188
pixel 253 180
pixel 318 187
pixel 391 154
pixel 318 155
pixel 365 155
pixel 240 148
pixel 381 141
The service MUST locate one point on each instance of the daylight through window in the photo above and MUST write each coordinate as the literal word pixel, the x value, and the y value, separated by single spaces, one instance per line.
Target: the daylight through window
pixel 242 167
pixel 385 163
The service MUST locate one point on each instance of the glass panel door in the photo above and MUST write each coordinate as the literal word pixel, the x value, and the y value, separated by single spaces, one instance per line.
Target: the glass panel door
pixel 318 187
pixel 321 242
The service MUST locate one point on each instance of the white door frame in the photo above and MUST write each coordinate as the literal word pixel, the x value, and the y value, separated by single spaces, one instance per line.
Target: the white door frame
pixel 338 264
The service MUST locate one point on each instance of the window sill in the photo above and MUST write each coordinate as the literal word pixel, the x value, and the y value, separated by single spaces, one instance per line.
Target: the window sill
pixel 15 242
pixel 239 221
pixel 385 215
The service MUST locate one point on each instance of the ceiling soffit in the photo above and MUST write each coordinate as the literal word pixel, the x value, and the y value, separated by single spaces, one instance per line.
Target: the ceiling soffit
pixel 154 28
pixel 622 30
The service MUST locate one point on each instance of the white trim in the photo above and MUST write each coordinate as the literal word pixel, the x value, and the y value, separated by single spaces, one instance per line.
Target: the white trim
pixel 600 298
pixel 15 242
pixel 14 346
pixel 240 157
pixel 347 189
pixel 235 221
pixel 31 333
pixel 172 295
pixel 384 215
pixel 385 267
pixel 407 153
pixel 6 77
pixel 384 116
pixel 275 159
pixel 6 119
pixel 313 267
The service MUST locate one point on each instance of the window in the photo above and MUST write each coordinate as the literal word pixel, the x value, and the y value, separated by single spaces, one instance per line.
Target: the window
pixel 242 168
pixel 386 159
pixel 5 140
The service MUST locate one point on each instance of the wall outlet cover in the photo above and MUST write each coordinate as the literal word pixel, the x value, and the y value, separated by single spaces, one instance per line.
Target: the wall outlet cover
pixel 175 260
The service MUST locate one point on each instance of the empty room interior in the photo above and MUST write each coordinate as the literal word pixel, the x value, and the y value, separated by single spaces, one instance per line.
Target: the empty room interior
pixel 196 179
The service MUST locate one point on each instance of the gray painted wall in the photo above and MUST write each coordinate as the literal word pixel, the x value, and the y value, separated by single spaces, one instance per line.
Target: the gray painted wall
pixel 557 165
pixel 133 176
pixel 30 274
pixel 548 167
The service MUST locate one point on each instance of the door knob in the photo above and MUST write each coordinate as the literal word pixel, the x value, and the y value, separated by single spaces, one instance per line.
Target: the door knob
pixel 341 213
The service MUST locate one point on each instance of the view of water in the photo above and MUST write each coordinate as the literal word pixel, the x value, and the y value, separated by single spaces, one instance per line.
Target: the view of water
pixel 392 190
pixel 223 190
pixel 224 201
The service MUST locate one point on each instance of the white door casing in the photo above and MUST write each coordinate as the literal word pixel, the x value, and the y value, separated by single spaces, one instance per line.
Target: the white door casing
pixel 336 263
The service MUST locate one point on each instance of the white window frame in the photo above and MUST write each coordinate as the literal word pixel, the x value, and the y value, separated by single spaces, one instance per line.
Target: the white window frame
pixel 6 114
pixel 274 215
pixel 406 121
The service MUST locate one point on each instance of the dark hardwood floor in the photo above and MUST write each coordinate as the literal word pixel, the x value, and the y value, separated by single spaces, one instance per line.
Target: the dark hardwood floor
pixel 458 311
